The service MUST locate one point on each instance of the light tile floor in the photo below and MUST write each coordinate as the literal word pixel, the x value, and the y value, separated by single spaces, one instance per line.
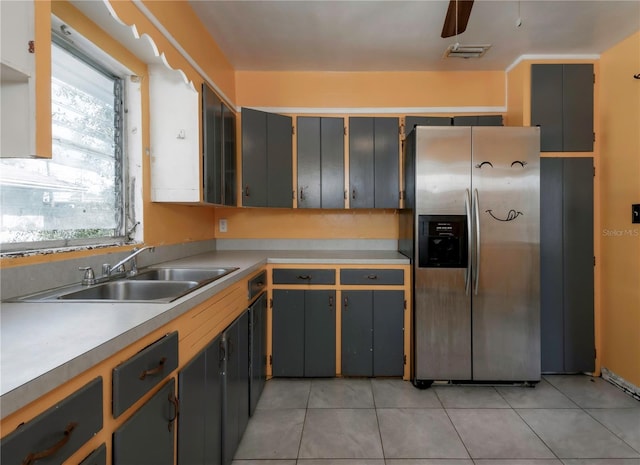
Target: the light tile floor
pixel 565 419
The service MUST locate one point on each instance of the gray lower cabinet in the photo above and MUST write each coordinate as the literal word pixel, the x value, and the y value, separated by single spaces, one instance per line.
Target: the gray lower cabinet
pixel 57 433
pixel 97 457
pixel 304 333
pixel 566 265
pixel 267 166
pixel 372 333
pixel 320 162
pixel 562 105
pixel 258 345
pixel 235 388
pixel 374 162
pixel 147 438
pixel 200 419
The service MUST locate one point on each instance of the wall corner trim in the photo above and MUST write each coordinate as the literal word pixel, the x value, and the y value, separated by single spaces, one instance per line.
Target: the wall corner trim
pixel 549 56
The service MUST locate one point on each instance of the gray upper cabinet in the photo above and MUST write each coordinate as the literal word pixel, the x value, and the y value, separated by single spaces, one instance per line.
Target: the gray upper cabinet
pixel 374 162
pixel 320 162
pixel 562 105
pixel 481 120
pixel 219 160
pixel 267 172
pixel 411 122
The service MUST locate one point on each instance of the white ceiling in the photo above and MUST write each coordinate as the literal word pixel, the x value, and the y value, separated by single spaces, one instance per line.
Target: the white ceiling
pixel 399 35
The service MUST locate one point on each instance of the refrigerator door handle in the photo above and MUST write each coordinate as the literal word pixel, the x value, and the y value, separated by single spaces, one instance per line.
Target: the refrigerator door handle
pixel 476 207
pixel 467 210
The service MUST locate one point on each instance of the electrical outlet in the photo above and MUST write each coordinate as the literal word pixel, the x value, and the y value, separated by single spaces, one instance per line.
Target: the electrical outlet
pixel 635 213
pixel 222 225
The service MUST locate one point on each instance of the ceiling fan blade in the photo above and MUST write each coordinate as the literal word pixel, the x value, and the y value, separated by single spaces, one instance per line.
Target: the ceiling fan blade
pixel 449 28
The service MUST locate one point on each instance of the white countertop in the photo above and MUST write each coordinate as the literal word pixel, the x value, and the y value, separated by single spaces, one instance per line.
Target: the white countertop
pixel 45 344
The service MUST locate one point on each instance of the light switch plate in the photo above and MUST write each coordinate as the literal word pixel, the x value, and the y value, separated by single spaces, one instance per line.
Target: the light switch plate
pixel 635 213
pixel 222 225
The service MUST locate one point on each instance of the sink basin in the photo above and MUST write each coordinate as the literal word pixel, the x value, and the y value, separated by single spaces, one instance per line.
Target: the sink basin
pixel 182 274
pixel 133 291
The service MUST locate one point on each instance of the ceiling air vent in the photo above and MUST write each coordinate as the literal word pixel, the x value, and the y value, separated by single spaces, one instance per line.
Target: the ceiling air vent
pixel 465 51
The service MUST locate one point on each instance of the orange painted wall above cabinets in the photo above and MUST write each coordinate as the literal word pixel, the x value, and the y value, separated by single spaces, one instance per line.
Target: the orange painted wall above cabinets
pixel 370 89
pixel 620 187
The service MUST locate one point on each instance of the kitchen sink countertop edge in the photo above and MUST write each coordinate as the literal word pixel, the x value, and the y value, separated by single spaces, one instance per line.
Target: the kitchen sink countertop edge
pixel 45 344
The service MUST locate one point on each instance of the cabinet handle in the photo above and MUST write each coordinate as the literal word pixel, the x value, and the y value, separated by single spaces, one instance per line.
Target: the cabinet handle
pixel 372 276
pixel 346 302
pixel 246 191
pixel 31 458
pixel 302 194
pixel 331 301
pixel 259 284
pixel 176 409
pixel 353 194
pixel 306 277
pixel 154 371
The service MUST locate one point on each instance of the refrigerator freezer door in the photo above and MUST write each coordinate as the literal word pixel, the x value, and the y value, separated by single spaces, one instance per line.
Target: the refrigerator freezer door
pixel 442 318
pixel 506 297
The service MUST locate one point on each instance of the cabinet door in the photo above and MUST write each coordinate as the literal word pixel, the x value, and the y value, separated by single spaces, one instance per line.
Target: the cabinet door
pixel 258 350
pixel 288 333
pixel 254 158
pixel 192 391
pixel 309 162
pixel 386 163
pixel 465 120
pixel 332 170
pixel 388 333
pixel 243 374
pixel 361 162
pixel 97 457
pixel 319 333
pixel 229 156
pixel 212 145
pixel 411 122
pixel 577 108
pixel 546 105
pixel 357 333
pixel 279 163
pixel 147 437
pixel 213 403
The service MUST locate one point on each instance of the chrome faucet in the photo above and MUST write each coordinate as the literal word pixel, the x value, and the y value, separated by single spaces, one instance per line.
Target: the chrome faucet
pixel 108 270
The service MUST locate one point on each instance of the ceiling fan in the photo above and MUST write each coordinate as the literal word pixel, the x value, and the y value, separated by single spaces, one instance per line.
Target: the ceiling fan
pixel 457 18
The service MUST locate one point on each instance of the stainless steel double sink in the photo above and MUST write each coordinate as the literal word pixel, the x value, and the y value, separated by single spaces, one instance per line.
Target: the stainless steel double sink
pixel 158 285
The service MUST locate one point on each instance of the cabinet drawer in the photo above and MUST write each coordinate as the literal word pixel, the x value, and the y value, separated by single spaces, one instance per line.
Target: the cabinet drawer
pixel 97 457
pixel 56 434
pixel 257 284
pixel 372 276
pixel 303 276
pixel 135 377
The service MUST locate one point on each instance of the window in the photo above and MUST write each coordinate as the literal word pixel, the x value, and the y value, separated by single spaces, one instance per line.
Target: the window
pixel 77 197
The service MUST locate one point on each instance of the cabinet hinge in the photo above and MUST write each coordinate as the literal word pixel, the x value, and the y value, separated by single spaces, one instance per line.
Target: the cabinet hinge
pixel 345 130
pixel 293 194
pixel 345 194
pixel 594 260
pixel 594 171
pixel 594 136
pixel 270 303
pixel 404 359
pixel 594 78
pixel 595 353
pixel 400 130
pixel 405 304
pixel 293 130
pixel 270 359
pixel 401 195
pixel 32 46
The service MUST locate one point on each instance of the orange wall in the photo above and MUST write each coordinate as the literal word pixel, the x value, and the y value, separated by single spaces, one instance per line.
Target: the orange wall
pixel 369 89
pixel 620 187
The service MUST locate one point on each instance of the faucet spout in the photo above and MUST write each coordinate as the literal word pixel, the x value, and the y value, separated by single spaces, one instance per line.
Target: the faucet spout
pixel 132 258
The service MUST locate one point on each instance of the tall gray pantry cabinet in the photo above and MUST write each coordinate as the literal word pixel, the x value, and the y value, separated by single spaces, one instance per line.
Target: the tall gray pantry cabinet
pixel 267 166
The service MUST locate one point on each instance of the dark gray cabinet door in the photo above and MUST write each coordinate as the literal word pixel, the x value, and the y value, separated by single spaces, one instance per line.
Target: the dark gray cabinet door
pixel 361 162
pixel 288 333
pixel 577 108
pixel 357 333
pixel 243 374
pixel 386 163
pixel 254 158
pixel 97 457
pixel 566 256
pixel 411 122
pixel 279 163
pixel 332 169
pixel 229 156
pixel 192 389
pixel 480 120
pixel 212 145
pixel 258 341
pixel 388 333
pixel 319 334
pixel 147 437
pixel 213 403
pixel 562 105
pixel 309 162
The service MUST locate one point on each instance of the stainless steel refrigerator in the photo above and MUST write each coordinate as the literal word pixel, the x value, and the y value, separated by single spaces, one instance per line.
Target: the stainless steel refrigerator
pixel 471 226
